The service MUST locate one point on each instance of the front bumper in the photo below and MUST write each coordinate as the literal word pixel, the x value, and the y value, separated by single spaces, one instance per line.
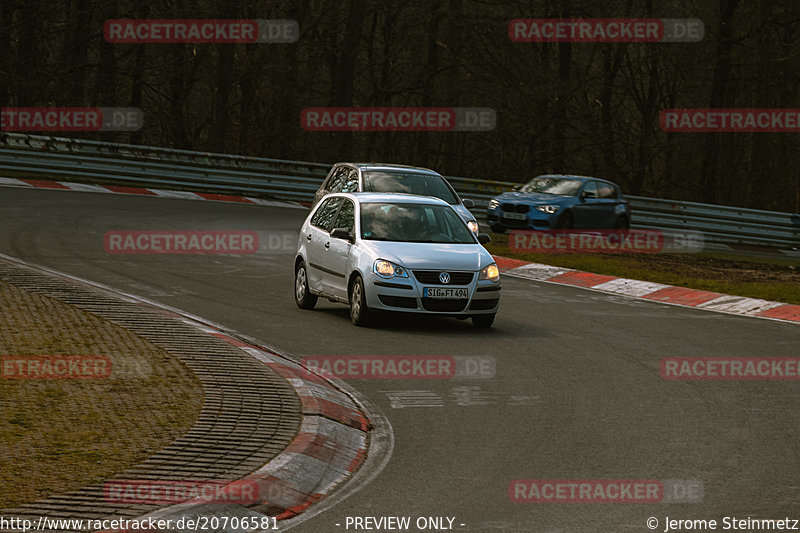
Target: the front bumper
pixel 534 219
pixel 405 295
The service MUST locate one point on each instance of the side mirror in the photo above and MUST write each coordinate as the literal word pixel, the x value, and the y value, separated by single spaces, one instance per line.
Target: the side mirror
pixel 484 238
pixel 469 204
pixel 341 233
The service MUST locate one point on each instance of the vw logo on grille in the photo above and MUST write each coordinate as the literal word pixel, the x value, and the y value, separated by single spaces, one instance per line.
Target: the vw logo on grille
pixel 444 277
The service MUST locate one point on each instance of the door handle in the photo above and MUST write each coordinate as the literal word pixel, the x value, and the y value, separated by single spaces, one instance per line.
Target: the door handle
pixel 308 237
pixel 327 244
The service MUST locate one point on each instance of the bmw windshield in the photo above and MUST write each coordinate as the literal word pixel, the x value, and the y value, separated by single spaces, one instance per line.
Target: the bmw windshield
pixel 554 186
pixel 410 183
pixel 407 222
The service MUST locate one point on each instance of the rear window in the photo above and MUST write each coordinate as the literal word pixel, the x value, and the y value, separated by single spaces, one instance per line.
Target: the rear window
pixel 410 183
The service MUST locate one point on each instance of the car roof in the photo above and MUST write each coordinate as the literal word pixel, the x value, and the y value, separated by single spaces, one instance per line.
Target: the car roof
pixel 573 177
pixel 390 166
pixel 390 197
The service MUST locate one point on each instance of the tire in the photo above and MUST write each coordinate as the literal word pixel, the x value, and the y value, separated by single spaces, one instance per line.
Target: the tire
pixel 497 228
pixel 483 321
pixel 360 313
pixel 566 221
pixel 302 294
pixel 622 223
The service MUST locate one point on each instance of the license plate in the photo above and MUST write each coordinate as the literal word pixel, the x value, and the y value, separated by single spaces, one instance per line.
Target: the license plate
pixel 515 216
pixel 438 292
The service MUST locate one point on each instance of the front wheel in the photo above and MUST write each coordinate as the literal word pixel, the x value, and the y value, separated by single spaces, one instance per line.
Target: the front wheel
pixel 360 314
pixel 302 295
pixel 622 223
pixel 566 221
pixel 483 321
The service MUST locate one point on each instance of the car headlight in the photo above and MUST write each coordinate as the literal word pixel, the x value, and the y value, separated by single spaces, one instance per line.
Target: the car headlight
pixel 491 272
pixel 473 226
pixel 387 269
pixel 549 209
pixel 494 204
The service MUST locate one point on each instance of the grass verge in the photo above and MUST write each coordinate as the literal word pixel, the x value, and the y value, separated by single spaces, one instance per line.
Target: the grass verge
pixel 59 435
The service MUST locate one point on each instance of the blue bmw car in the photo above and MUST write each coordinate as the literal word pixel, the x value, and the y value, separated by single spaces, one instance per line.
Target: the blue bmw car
pixel 560 202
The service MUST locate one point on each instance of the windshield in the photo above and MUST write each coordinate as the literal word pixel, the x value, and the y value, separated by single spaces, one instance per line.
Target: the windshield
pixel 555 186
pixel 405 222
pixel 409 182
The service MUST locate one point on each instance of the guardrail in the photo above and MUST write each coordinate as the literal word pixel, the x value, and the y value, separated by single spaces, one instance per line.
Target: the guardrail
pixel 68 159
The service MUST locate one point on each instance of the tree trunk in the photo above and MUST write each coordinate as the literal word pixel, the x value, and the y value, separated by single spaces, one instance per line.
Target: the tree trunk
pixel 105 83
pixel 346 67
pixel 719 96
pixel 138 74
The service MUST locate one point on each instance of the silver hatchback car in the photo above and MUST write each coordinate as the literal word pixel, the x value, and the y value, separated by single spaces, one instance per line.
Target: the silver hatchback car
pixel 395 252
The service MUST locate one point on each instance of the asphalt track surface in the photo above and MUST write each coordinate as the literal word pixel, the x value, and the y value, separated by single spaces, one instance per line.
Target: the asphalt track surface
pixel 577 394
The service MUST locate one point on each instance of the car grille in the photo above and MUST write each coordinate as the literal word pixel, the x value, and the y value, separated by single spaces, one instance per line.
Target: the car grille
pixel 398 301
pixel 431 277
pixel 483 305
pixel 515 208
pixel 444 306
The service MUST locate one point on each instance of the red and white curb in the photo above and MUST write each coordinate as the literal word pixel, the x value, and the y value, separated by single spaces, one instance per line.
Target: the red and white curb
pixel 142 191
pixel 646 290
pixel 330 446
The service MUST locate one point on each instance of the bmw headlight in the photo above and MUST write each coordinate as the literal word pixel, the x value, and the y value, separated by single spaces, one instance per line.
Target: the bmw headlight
pixel 387 269
pixel 494 204
pixel 549 209
pixel 491 272
pixel 473 226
